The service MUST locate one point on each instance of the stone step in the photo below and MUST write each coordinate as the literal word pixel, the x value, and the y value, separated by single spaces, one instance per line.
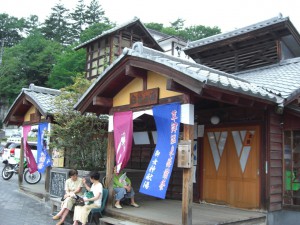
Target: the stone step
pixel 114 221
pixel 255 221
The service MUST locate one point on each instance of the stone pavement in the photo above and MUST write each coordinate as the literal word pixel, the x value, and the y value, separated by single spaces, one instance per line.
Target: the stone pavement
pixel 19 208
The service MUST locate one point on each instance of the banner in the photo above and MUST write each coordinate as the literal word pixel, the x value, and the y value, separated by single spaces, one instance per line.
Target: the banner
pixel 157 176
pixel 123 130
pixel 31 164
pixel 43 158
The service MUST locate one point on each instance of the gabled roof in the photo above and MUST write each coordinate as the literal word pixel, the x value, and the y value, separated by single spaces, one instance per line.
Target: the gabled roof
pixel 201 76
pixel 134 21
pixel 40 97
pixel 282 79
pixel 242 31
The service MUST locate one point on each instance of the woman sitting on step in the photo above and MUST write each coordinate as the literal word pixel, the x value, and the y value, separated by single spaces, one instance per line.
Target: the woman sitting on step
pixel 81 213
pixel 73 187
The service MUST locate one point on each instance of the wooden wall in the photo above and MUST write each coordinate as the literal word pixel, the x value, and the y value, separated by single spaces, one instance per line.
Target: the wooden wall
pixel 275 147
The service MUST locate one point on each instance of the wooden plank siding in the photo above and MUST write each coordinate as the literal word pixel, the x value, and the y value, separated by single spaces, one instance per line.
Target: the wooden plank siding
pixel 275 162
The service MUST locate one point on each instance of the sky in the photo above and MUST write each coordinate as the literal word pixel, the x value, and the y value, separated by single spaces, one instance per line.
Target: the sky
pixel 226 14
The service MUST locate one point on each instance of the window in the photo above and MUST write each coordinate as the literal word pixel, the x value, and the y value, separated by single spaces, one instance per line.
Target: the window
pixel 292 167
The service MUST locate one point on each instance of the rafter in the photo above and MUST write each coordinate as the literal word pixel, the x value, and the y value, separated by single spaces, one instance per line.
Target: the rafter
pixel 102 101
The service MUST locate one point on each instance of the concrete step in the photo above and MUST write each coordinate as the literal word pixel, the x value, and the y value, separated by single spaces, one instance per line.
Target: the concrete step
pixel 114 221
pixel 255 221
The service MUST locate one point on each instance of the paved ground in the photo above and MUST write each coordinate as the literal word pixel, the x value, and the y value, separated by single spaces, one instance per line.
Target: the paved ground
pixel 17 208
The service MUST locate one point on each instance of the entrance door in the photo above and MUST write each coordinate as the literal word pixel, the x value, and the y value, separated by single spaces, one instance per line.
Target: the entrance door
pixel 231 166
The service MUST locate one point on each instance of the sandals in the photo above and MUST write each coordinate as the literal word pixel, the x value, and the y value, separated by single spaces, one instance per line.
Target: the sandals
pixel 118 206
pixel 56 217
pixel 134 205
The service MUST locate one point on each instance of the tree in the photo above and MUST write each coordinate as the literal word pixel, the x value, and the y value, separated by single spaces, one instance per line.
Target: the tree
pixel 94 30
pixel 11 29
pixel 82 137
pixel 57 26
pixel 30 61
pixel 94 13
pixel 69 65
pixel 178 24
pixel 191 33
pixel 78 17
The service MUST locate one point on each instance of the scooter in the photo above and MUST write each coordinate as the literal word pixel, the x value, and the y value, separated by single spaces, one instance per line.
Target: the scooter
pixel 12 167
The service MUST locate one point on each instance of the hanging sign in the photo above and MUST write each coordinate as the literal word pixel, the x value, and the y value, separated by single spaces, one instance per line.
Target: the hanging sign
pixel 157 176
pixel 123 129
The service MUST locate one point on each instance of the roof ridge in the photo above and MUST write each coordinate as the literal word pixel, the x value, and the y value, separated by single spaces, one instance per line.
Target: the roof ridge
pixel 43 90
pixel 139 48
pixel 235 32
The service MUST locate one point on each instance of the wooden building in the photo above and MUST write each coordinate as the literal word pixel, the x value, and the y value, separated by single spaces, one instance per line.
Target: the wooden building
pixel 243 93
pixel 33 106
pixel 102 50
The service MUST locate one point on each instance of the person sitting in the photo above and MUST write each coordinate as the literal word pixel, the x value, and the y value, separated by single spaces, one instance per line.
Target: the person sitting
pixel 81 213
pixel 123 189
pixel 73 186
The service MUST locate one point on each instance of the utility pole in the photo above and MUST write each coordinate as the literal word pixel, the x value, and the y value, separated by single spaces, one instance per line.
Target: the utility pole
pixel 1 51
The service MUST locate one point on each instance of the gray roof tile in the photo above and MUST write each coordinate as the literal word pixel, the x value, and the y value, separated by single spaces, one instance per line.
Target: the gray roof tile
pixel 282 79
pixel 199 72
pixel 226 35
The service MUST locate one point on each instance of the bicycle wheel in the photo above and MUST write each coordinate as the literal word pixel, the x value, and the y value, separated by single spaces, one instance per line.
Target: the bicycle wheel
pixel 5 174
pixel 33 178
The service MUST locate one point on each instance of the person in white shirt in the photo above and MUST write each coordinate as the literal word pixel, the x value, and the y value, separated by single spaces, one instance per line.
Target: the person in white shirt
pixel 81 213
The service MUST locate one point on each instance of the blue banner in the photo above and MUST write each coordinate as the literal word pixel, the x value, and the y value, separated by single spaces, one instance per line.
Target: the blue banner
pixel 157 176
pixel 43 158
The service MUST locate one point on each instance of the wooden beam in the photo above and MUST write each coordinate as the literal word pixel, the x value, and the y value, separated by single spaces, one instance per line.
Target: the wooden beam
pixel 187 182
pixel 25 102
pixel 135 72
pixel 175 86
pixel 17 119
pixel 110 159
pixel 102 101
pixel 21 165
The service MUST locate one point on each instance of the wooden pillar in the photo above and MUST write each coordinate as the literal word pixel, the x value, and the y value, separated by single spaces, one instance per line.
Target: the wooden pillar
pixel 110 159
pixel 187 192
pixel 21 167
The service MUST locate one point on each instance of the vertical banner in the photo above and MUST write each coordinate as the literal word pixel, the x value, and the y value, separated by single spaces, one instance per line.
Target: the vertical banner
pixel 32 166
pixel 123 131
pixel 157 176
pixel 43 158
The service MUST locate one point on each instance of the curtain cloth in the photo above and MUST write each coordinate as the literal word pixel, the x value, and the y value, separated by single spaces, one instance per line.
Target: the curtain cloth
pixel 31 163
pixel 123 130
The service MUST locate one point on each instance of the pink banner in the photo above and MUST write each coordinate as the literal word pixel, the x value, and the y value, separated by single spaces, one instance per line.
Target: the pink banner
pixel 31 163
pixel 123 130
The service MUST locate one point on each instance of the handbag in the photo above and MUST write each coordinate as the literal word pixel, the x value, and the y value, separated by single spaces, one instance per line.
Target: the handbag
pixel 79 201
pixel 89 194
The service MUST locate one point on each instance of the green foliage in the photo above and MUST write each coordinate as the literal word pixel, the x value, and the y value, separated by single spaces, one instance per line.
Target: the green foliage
pixel 11 29
pixel 191 33
pixel 69 64
pixel 94 30
pixel 57 26
pixel 94 13
pixel 82 137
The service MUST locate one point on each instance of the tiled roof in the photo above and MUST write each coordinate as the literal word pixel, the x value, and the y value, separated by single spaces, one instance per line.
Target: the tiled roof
pixel 282 79
pixel 237 32
pixel 114 29
pixel 206 75
pixel 42 98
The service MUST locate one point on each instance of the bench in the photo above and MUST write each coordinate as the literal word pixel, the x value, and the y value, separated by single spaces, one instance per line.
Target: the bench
pixel 55 204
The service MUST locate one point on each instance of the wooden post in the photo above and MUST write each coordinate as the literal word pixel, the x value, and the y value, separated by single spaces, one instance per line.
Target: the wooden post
pixel 110 166
pixel 187 192
pixel 21 166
